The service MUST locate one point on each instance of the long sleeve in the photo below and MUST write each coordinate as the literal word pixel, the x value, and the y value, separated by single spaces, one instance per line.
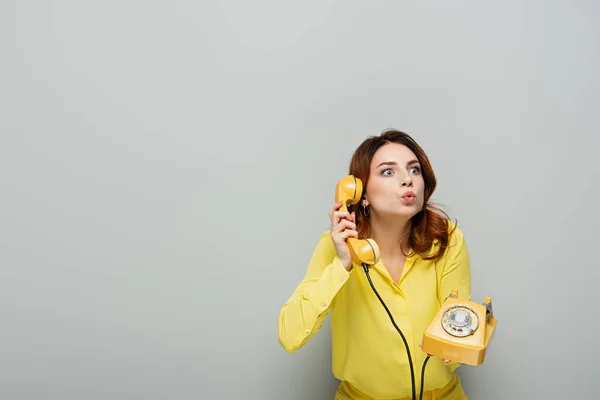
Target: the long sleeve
pixel 303 314
pixel 456 273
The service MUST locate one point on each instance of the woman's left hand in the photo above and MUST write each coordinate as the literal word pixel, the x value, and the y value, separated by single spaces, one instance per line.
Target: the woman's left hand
pixel 445 361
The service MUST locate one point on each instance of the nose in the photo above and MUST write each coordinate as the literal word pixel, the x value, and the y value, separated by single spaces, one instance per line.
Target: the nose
pixel 406 181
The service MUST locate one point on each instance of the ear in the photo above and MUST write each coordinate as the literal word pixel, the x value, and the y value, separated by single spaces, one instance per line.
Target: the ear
pixel 365 202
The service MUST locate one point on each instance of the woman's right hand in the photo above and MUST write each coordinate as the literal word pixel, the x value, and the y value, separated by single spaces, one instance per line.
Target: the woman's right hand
pixel 343 226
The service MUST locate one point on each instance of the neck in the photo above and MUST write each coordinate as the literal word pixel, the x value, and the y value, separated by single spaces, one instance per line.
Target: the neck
pixel 391 234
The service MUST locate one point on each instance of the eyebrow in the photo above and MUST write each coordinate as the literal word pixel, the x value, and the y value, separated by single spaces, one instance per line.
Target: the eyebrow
pixel 411 162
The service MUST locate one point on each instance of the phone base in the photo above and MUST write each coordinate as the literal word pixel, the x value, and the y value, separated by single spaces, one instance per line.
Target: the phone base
pixel 460 331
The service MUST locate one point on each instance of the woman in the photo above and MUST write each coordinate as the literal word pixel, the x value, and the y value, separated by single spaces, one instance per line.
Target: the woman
pixel 423 257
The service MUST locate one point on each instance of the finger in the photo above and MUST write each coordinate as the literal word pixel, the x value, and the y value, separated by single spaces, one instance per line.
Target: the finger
pixel 340 230
pixel 340 215
pixel 348 233
pixel 333 209
pixel 344 224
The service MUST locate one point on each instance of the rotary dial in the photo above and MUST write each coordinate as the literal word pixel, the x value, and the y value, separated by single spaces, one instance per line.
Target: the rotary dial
pixel 460 321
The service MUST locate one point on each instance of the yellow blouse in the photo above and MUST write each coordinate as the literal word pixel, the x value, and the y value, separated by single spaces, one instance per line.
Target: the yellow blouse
pixel 367 351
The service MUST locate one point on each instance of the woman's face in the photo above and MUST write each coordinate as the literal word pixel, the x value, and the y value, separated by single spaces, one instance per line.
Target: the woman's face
pixel 396 185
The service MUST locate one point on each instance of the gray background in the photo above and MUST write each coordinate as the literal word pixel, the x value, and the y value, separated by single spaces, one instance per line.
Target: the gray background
pixel 167 168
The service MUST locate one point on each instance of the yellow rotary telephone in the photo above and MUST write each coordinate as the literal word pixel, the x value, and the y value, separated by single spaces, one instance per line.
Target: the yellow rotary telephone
pixel 461 330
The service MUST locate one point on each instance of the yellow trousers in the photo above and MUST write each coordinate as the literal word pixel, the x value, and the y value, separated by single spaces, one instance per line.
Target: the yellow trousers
pixel 452 391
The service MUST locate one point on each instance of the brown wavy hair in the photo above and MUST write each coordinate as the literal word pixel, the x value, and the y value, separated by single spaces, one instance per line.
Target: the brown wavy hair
pixel 429 224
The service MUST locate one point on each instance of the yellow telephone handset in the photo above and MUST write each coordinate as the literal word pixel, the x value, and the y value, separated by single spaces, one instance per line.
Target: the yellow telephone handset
pixel 363 251
pixel 461 330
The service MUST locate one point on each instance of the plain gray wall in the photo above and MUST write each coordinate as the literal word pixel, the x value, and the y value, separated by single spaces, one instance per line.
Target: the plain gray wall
pixel 167 167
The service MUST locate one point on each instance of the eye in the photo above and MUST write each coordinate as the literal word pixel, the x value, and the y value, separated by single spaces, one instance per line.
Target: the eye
pixel 415 170
pixel 387 172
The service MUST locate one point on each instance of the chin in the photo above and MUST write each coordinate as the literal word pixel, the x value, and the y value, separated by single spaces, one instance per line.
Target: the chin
pixel 406 212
